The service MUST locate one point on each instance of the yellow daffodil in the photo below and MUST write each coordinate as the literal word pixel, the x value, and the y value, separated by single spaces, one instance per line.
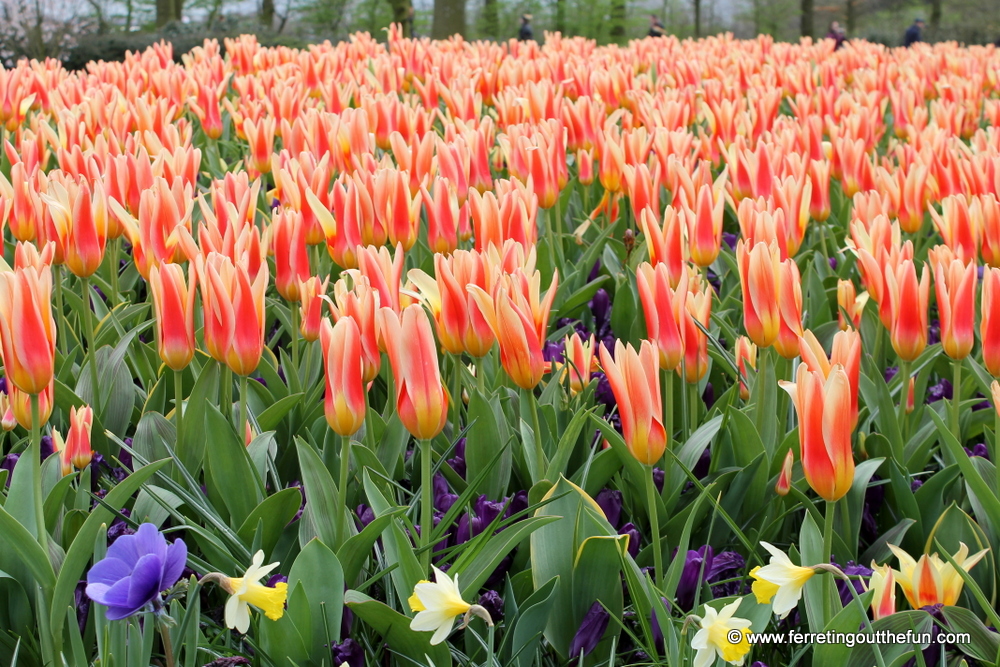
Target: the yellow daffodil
pixel 247 590
pixel 437 606
pixel 780 579
pixel 718 629
pixel 932 580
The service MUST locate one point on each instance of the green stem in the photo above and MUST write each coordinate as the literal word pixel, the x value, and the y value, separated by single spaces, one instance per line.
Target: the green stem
pixel 35 461
pixel 867 625
pixel 342 510
pixel 828 592
pixel 996 433
pixel 536 426
pixel 685 426
pixel 114 253
pixel 62 327
pixel 904 394
pixel 550 232
pixel 168 646
pixel 456 394
pixel 693 406
pixel 760 387
pixel 654 524
pixel 426 505
pixel 241 427
pixel 294 333
pixel 178 402
pixel 956 399
pixel 481 377
pixel 822 240
pixel 490 640
pixel 879 336
pixel 668 403
pixel 88 318
pixel 226 390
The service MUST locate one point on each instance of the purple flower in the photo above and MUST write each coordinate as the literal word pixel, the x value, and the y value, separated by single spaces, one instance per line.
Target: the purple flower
pixel 852 569
pixel 759 664
pixel 701 467
pixel 276 579
pixel 553 350
pixel 594 272
pixel 979 449
pixel 610 501
pixel 365 515
pixel 730 239
pixel 600 306
pixel 46 447
pixel 633 538
pixel 485 511
pixel 941 390
pixel 658 477
pixel 493 603
pixel 709 395
pixel 229 661
pixel 518 503
pixel 3 384
pixel 696 565
pixel 934 332
pixel 458 463
pixel 916 484
pixel 348 651
pixel 135 571
pixel 119 527
pixel 592 628
pixel 891 372
pixel 82 604
pixel 7 463
pixel 833 263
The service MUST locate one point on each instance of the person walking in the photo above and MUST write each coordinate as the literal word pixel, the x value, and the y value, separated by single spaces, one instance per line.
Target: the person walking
pixel 525 33
pixel 656 27
pixel 837 34
pixel 914 33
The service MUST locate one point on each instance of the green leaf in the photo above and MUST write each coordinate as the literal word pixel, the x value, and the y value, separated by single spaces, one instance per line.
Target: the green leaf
pixel 487 435
pixel 531 618
pixel 477 566
pixel 983 644
pixel 848 620
pixel 811 544
pixel 395 630
pixel 919 622
pixel 275 513
pixel 318 570
pixel 191 450
pixel 978 487
pixel 355 551
pixel 850 521
pixel 269 419
pixel 398 547
pixel 321 492
pixel 27 549
pixel 229 470
pixel 149 505
pixel 283 639
pixel 567 444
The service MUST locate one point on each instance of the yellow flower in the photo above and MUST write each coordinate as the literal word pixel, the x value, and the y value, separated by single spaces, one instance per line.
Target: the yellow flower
pixel 716 635
pixel 783 580
pixel 931 580
pixel 438 605
pixel 248 590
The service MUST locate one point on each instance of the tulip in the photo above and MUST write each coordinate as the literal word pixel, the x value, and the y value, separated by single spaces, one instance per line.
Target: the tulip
pixel 780 580
pixel 291 257
pixel 445 215
pixel 345 402
pixel 908 306
pixel 931 580
pixel 698 308
pixel 59 450
pixel 635 381
pixel 233 303
pixel 8 421
pixel 589 634
pixel 746 355
pixel 846 353
pixel 714 639
pixel 27 328
pixel 20 405
pixel 519 319
pixel 362 304
pixel 579 362
pixel 790 309
pixel 955 286
pixel 823 406
pixel 260 136
pixel 989 326
pixel 849 301
pixel 704 223
pixel 311 295
pixel 959 225
pixel 784 483
pixel 883 582
pixel 759 268
pixel 664 309
pixel 665 243
pixel 173 304
pixel 81 218
pixel 78 450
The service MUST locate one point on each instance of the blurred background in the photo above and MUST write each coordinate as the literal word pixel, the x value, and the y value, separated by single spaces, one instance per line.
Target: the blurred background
pixel 77 31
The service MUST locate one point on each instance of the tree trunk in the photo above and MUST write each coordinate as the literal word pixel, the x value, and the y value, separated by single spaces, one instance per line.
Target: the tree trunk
pixel 617 29
pixel 449 18
pixel 935 15
pixel 164 12
pixel 489 25
pixel 807 18
pixel 852 17
pixel 178 6
pixel 561 16
pixel 402 13
pixel 267 14
pixel 697 18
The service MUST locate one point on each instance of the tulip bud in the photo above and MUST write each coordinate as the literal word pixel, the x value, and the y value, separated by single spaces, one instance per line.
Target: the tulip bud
pixel 784 484
pixel 585 167
pixel 883 582
pixel 746 355
pixel 27 328
pixel 311 293
pixel 78 450
pixel 59 449
pixel 909 395
pixel 589 634
pixel 20 405
pixel 8 421
pixel 345 403
pixel 850 302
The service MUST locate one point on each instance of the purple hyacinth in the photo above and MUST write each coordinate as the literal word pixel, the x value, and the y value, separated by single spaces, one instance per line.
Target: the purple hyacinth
pixel 458 462
pixel 349 652
pixel 934 332
pixel 493 603
pixel 135 571
pixel 658 478
pixel 833 263
pixel 518 503
pixel 979 449
pixel 46 447
pixel 705 566
pixel 119 527
pixel 941 390
pixel 485 511
pixel 365 515
pixel 610 502
pixel 589 634
pixel 916 484
pixel 594 272
pixel 891 372
pixel 708 396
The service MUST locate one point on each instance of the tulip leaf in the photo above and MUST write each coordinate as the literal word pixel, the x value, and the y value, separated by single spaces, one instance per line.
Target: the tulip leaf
pixel 487 435
pixel 25 546
pixel 80 552
pixel 275 512
pixel 353 553
pixel 848 620
pixel 269 419
pixel 917 621
pixel 395 630
pixel 851 510
pixel 983 644
pixel 191 450
pixel 283 639
pixel 879 551
pixel 567 444
pixel 954 528
pixel 476 564
pixel 875 393
pixel 152 503
pixel 228 469
pixel 532 616
pixel 811 544
pixel 317 569
pixel 321 494
pixel 398 547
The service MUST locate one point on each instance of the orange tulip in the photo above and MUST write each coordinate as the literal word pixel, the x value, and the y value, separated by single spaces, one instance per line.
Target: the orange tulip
pixel 20 405
pixel 81 220
pixel 704 223
pixel 421 399
pixel 990 250
pixel 311 295
pixel 27 328
pixel 8 420
pixel 233 303
pixel 361 304
pixel 579 361
pixel 519 319
pixel 260 136
pixel 849 301
pixel 698 308
pixel 784 483
pixel 790 309
pixel 959 225
pixel 908 304
pixel 635 381
pixel 932 580
pixel 746 355
pixel 823 407
pixel 883 582
pixel 666 245
pixel 163 222
pixel 989 326
pixel 27 254
pixel 345 402
pixel 78 450
pixel 846 353
pixel 291 257
pixel 759 271
pixel 445 215
pixel 664 309
pixel 384 273
pixel 173 304
pixel 955 286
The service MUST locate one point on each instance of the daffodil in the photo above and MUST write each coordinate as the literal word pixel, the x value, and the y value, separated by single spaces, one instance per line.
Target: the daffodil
pixel 437 606
pixel 931 580
pixel 715 638
pixel 780 579
pixel 247 590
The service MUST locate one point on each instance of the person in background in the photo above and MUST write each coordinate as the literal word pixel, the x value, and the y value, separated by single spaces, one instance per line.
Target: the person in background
pixel 914 32
pixel 837 34
pixel 525 33
pixel 656 28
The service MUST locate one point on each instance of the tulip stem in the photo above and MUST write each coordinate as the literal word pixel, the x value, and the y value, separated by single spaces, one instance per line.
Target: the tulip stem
pixel 294 334
pixel 536 427
pixel 904 395
pixel 61 316
pixel 828 592
pixel 654 525
pixel 114 254
pixel 178 402
pixel 668 404
pixel 426 505
pixel 88 317
pixel 481 377
pixel 342 511
pixel 693 406
pixel 244 415
pixel 226 390
pixel 956 398
pixel 35 463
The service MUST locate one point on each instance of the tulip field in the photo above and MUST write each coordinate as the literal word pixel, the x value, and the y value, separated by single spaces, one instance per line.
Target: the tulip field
pixel 410 353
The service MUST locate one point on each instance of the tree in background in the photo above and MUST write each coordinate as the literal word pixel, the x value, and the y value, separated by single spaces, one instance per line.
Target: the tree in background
pixel 449 19
pixel 808 18
pixel 617 30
